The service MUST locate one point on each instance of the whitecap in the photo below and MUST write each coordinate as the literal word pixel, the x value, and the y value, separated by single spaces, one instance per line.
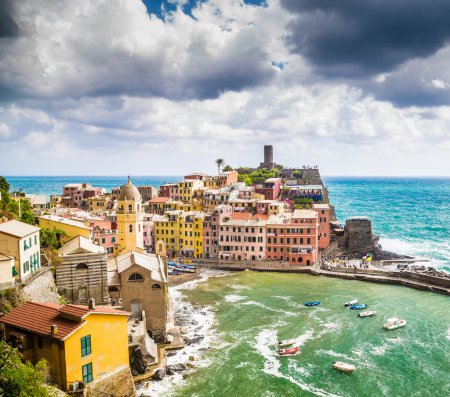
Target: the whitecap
pixel 234 298
pixel 263 306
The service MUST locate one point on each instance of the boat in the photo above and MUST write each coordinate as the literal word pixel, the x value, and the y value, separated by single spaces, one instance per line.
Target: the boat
pixel 173 273
pixel 350 303
pixel 344 367
pixel 286 342
pixel 288 352
pixel 313 303
pixel 368 313
pixel 394 323
pixel 359 306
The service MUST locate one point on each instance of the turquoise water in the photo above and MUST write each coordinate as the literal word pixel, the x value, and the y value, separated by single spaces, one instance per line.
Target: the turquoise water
pixel 253 310
pixel 412 215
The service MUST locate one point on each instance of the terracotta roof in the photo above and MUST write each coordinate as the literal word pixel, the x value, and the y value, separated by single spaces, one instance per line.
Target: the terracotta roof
pixel 158 200
pixel 246 216
pixel 37 317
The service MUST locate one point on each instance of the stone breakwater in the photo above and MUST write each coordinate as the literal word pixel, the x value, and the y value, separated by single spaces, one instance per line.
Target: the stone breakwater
pixel 406 278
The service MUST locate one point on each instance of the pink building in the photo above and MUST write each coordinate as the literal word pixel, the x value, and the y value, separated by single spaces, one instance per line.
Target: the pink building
pixel 76 194
pixel 243 237
pixel 147 227
pixel 293 237
pixel 211 230
pixel 169 190
pixel 324 213
pixel 271 188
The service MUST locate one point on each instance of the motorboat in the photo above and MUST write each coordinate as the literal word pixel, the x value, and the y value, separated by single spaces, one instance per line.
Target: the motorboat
pixel 394 323
pixel 368 313
pixel 359 306
pixel 350 303
pixel 344 367
pixel 313 303
pixel 286 342
pixel 288 352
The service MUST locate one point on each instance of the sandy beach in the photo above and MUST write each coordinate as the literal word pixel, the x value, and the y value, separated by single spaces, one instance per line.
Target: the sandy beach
pixel 184 277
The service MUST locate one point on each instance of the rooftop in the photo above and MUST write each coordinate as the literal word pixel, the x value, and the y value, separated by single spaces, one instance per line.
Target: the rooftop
pixel 156 200
pixel 321 206
pixel 37 317
pixel 17 228
pixel 80 245
pixel 65 221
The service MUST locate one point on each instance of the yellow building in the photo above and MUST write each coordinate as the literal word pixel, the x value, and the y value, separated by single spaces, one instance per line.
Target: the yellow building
pixel 72 228
pixel 81 344
pixel 186 189
pixel 130 233
pixel 182 232
pixel 168 230
pixel 99 203
pixel 6 271
pixel 21 241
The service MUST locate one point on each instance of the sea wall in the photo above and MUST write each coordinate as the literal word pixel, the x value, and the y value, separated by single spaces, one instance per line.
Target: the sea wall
pixel 117 384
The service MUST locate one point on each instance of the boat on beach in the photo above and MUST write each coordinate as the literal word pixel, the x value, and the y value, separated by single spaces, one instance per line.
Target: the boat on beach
pixel 368 313
pixel 350 303
pixel 344 367
pixel 286 342
pixel 288 352
pixel 394 323
pixel 358 306
pixel 312 303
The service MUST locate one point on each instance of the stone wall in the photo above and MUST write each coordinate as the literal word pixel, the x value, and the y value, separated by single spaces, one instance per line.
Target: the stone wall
pixel 117 384
pixel 358 234
pixel 42 288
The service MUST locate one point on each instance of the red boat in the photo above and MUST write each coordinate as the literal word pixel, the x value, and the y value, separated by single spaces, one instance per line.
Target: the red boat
pixel 288 352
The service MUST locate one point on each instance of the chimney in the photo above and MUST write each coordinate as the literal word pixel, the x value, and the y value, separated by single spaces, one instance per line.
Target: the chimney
pixel 54 329
pixel 91 304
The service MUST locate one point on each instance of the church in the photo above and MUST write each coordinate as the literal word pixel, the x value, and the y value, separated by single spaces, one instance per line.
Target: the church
pixel 137 281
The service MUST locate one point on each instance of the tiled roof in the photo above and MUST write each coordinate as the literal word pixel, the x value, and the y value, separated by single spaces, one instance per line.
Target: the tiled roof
pixel 18 229
pixel 37 317
pixel 245 216
pixel 158 200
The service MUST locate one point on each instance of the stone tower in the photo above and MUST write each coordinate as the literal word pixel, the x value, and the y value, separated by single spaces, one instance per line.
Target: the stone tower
pixel 129 213
pixel 268 157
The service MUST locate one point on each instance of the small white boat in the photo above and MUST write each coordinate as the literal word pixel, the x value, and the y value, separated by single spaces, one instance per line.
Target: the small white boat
pixel 350 303
pixel 344 367
pixel 286 342
pixel 394 323
pixel 368 313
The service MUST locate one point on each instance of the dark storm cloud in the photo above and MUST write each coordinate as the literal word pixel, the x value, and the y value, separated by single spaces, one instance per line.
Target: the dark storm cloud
pixel 8 26
pixel 356 38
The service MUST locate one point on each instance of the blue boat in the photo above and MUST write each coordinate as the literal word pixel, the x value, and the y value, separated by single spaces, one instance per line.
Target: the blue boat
pixel 358 307
pixel 314 303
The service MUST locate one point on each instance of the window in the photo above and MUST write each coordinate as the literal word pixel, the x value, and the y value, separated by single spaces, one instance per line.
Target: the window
pixel 156 286
pixel 135 277
pixel 130 228
pixel 103 240
pixel 87 373
pixel 81 266
pixel 86 345
pixel 113 239
pixel 35 239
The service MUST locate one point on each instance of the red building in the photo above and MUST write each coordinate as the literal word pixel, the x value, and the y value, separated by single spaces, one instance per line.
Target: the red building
pixel 293 238
pixel 323 211
pixel 271 188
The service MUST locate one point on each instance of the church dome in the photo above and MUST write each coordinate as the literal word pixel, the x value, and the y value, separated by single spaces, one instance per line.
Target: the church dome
pixel 129 192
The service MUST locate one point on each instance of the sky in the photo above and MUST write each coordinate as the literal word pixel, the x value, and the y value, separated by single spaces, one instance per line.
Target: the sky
pixel 165 87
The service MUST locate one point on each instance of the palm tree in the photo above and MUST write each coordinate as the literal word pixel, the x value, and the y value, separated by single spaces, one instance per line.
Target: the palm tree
pixel 220 163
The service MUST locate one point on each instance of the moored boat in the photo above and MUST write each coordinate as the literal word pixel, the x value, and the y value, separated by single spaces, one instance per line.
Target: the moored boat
pixel 350 303
pixel 359 306
pixel 344 367
pixel 394 323
pixel 288 352
pixel 368 313
pixel 286 342
pixel 313 303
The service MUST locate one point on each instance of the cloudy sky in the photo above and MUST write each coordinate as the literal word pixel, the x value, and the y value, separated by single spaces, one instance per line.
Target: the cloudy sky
pixel 151 87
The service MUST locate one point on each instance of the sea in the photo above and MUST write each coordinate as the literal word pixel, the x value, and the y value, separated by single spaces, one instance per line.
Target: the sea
pixel 236 318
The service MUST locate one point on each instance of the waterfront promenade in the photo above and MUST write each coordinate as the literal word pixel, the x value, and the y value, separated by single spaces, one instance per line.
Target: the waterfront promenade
pixel 374 273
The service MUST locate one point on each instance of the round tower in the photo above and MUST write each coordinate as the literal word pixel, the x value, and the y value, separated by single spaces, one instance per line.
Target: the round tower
pixel 268 156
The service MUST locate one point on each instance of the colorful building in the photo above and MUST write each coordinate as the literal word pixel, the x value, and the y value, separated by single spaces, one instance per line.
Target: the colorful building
pixel 81 344
pixel 7 278
pixel 324 213
pixel 21 241
pixel 72 228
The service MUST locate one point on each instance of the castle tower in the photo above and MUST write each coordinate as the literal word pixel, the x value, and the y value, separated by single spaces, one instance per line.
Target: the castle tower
pixel 268 157
pixel 129 219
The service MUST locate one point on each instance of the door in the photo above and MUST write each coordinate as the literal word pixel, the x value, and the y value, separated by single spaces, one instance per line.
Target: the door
pixel 136 310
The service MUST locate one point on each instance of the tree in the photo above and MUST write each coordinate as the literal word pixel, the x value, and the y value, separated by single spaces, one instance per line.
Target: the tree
pixel 4 185
pixel 18 379
pixel 52 238
pixel 220 163
pixel 228 168
pixel 245 178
